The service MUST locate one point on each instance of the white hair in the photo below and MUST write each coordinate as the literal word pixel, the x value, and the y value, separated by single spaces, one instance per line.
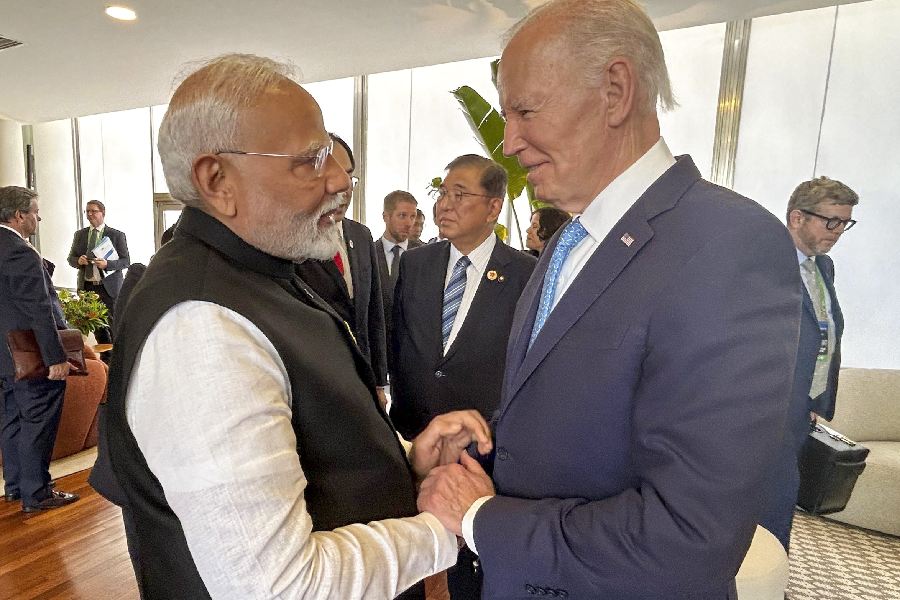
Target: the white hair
pixel 595 31
pixel 205 111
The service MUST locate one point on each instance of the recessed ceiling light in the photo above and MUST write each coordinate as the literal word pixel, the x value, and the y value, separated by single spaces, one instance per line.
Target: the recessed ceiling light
pixel 121 13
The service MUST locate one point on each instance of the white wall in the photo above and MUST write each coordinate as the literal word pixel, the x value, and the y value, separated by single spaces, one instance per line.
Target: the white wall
pixel 12 157
pixel 54 173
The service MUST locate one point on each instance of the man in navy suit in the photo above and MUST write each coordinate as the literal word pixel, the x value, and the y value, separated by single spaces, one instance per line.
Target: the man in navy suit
pixel 453 307
pixel 350 282
pixel 31 408
pixel 818 213
pixel 96 274
pixel 651 352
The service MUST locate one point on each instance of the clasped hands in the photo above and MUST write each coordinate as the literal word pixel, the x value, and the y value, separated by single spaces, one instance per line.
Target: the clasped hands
pixel 451 479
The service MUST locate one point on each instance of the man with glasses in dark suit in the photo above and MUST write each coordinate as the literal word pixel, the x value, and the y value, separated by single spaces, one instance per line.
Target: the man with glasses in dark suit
pixel 818 213
pixel 99 274
pixel 31 407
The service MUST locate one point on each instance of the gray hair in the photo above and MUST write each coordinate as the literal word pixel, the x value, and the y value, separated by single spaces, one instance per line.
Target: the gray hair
pixel 809 194
pixel 14 199
pixel 205 111
pixel 596 31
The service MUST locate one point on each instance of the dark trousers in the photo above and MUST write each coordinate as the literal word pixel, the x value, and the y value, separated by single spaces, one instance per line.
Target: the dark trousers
pixel 31 411
pixel 464 579
pixel 104 334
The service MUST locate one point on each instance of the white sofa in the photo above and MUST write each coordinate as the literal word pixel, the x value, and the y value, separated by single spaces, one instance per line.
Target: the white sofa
pixel 868 411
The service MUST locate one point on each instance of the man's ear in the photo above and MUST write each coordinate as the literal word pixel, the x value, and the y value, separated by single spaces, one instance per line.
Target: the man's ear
pixel 496 204
pixel 620 90
pixel 214 181
pixel 795 219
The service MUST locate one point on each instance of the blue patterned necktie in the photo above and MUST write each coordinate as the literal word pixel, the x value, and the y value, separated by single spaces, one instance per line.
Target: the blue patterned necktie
pixel 573 233
pixel 453 296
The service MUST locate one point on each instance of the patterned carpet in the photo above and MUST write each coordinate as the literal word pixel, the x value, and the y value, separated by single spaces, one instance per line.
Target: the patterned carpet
pixel 834 561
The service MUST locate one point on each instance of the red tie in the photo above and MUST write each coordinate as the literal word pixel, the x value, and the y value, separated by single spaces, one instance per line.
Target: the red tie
pixel 339 262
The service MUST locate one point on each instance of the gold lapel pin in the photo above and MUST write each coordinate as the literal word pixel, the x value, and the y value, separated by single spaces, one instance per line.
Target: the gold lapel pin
pixel 492 275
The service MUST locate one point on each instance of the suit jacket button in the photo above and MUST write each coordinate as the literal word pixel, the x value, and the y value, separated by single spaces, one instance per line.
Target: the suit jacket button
pixel 438 374
pixel 502 454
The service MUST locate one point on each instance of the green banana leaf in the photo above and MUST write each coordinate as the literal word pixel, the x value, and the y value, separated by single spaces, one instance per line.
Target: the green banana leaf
pixel 487 123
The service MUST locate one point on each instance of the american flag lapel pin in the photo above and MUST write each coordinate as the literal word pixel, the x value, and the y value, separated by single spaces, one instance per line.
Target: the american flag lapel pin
pixel 627 239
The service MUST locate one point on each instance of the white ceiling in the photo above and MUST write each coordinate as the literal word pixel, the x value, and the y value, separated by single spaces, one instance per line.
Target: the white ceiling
pixel 77 61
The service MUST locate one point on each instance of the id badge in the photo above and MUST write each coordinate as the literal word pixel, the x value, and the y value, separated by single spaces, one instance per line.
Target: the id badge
pixel 823 340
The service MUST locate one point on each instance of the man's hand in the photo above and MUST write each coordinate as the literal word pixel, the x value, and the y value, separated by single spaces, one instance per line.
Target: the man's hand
pixel 382 398
pixel 100 262
pixel 83 260
pixel 446 437
pixel 450 490
pixel 59 371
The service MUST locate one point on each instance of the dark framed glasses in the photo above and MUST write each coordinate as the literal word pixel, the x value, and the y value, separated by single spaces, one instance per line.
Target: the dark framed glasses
pixel 831 223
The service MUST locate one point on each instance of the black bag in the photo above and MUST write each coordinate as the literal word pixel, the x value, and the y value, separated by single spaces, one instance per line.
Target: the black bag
pixel 829 466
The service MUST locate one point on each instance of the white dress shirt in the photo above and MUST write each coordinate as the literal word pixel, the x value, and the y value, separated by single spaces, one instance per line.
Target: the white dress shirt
pixel 209 403
pixel 388 245
pixel 478 260
pixel 599 219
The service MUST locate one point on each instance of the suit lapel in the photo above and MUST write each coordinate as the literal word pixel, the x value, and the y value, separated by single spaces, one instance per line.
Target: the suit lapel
pixel 607 263
pixel 486 295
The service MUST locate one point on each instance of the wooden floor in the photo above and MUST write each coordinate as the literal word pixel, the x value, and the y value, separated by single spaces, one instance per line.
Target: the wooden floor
pixel 74 552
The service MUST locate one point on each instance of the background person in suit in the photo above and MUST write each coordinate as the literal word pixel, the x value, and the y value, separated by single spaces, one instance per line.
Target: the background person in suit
pixel 651 352
pixel 399 217
pixel 818 213
pixel 419 224
pixel 350 283
pixel 31 408
pixel 96 274
pixel 545 222
pixel 453 308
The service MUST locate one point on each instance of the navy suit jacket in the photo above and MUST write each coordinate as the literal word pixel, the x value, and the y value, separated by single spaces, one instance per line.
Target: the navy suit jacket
pixel 365 311
pixel 387 290
pixel 425 381
pixel 111 276
pixel 27 301
pixel 632 438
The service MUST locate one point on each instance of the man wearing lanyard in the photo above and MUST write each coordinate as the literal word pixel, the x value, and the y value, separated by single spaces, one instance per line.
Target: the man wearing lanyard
pixel 96 273
pixel 818 213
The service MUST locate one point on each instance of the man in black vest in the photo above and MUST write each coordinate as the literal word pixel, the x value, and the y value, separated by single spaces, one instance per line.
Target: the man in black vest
pixel 242 424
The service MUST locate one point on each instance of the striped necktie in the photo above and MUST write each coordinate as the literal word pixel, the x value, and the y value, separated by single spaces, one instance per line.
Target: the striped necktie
pixel 573 233
pixel 453 296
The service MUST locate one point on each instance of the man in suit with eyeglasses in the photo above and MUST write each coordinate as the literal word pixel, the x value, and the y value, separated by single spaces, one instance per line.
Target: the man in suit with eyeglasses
pixel 819 212
pixel 349 282
pixel 97 273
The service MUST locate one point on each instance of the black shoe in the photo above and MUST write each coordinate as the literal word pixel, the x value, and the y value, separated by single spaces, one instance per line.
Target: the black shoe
pixel 12 497
pixel 55 500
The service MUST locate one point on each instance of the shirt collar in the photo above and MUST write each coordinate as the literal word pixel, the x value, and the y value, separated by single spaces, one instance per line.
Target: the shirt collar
pixel 479 257
pixel 13 230
pixel 801 256
pixel 389 245
pixel 613 202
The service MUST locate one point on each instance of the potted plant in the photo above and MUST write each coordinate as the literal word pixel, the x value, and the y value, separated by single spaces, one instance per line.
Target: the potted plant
pixel 84 311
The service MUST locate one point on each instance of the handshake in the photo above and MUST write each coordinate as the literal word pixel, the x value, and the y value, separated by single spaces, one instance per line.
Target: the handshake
pixel 451 480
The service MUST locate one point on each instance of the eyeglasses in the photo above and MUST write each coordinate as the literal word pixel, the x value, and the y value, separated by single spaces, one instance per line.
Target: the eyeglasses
pixel 317 158
pixel 91 211
pixel 832 223
pixel 456 196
